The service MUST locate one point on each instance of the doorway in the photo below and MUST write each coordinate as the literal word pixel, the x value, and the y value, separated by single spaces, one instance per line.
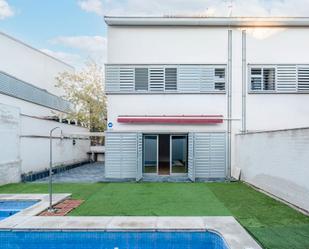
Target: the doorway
pixel 165 154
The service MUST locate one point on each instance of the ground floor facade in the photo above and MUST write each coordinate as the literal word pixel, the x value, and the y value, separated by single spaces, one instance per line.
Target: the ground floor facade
pixel 192 155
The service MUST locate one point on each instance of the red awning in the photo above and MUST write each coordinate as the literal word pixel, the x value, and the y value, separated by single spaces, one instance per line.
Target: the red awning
pixel 172 119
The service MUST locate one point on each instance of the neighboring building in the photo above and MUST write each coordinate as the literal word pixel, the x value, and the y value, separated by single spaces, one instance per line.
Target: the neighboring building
pixel 28 103
pixel 180 89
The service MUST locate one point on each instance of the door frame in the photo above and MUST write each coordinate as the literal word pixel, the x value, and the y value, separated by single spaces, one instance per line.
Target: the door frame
pixel 171 155
pixel 144 150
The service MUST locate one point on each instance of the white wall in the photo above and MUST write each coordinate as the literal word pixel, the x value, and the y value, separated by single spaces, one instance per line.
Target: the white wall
pixel 275 46
pixel 277 162
pixel 166 45
pixel 29 64
pixel 165 104
pixel 28 108
pixel 181 45
pixel 34 150
pixel 10 168
pixel 35 153
pixel 24 143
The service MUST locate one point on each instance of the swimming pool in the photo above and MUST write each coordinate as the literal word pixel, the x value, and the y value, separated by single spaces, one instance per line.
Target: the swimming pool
pixel 111 240
pixel 8 207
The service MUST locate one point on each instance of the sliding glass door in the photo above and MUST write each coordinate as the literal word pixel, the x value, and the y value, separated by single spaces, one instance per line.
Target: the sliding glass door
pixel 150 154
pixel 179 154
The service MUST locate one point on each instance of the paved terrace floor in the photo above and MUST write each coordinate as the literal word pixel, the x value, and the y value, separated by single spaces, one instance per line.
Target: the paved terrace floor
pixel 88 173
pixel 95 172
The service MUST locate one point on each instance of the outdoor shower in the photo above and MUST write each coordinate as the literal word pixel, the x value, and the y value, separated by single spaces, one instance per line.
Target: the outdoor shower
pixel 50 186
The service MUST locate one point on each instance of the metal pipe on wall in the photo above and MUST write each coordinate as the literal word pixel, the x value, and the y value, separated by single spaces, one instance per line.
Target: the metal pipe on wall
pixel 229 103
pixel 244 82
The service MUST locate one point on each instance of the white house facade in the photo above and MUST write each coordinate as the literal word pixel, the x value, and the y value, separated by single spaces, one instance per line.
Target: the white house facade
pixel 180 89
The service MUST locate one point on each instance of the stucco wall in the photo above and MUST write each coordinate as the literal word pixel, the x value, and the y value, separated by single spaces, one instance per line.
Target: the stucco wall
pixel 29 64
pixel 178 45
pixel 10 167
pixel 277 162
pixel 34 144
pixel 165 104
pixel 25 145
pixel 277 46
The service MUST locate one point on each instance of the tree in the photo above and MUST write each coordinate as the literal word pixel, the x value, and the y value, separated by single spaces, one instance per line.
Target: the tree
pixel 85 90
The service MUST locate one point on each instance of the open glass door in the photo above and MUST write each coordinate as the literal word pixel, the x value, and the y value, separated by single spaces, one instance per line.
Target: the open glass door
pixel 150 154
pixel 179 154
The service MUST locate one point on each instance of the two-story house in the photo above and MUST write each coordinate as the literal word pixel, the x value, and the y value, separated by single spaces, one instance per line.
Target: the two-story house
pixel 179 89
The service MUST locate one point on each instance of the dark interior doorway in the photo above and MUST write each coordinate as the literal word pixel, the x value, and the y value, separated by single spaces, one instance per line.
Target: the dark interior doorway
pixel 164 154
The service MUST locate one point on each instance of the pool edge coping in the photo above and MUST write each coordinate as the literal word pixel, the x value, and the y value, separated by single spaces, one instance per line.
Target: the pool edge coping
pixel 235 236
pixel 30 212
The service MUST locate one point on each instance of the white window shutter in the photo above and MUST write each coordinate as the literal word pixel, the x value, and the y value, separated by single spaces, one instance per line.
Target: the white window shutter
pixel 156 79
pixel 286 78
pixel 207 75
pixel 303 78
pixel 126 79
pixel 112 78
pixel 189 78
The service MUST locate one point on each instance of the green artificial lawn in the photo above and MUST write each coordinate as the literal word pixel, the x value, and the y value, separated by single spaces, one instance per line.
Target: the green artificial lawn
pixel 273 224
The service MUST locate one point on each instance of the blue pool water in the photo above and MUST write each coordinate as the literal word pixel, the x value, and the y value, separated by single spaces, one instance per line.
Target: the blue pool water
pixel 110 240
pixel 8 208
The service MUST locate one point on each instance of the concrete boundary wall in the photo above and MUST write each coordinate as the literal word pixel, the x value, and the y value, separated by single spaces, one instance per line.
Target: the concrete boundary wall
pixel 24 144
pixel 276 162
pixel 34 144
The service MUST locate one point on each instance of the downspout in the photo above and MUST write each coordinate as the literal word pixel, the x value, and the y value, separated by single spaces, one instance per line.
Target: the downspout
pixel 229 104
pixel 244 82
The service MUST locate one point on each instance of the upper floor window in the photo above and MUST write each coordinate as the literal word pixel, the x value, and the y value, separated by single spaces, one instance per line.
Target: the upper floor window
pixel 165 78
pixel 279 78
pixel 263 79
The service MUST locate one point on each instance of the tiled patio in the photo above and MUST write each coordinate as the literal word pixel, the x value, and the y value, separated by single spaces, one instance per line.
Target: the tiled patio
pixel 88 173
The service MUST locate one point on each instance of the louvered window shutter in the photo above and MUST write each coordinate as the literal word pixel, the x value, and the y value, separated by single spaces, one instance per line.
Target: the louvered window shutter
pixel 141 79
pixel 156 79
pixel 188 79
pixel 303 78
pixel 207 79
pixel 165 78
pixel 170 79
pixel 126 79
pixel 286 78
pixel 112 79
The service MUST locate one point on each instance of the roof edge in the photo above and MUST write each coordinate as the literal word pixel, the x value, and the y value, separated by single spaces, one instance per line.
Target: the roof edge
pixel 36 49
pixel 208 21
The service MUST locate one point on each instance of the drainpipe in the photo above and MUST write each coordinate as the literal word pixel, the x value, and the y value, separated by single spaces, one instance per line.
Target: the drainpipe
pixel 229 103
pixel 244 82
